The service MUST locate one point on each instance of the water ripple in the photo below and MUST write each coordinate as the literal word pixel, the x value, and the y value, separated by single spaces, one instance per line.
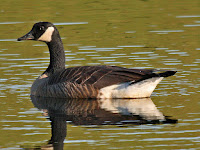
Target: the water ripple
pixel 10 23
pixel 188 16
pixel 69 23
pixel 171 139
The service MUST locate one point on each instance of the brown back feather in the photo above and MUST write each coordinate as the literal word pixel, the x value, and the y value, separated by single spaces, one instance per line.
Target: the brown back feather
pixel 99 76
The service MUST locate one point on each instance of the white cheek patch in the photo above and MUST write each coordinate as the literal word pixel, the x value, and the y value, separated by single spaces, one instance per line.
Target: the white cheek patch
pixel 47 35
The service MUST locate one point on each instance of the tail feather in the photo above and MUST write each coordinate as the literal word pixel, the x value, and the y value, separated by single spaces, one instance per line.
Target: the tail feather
pixel 167 73
pixel 156 74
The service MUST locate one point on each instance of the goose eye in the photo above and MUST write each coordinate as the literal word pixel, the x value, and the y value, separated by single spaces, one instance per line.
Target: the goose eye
pixel 41 28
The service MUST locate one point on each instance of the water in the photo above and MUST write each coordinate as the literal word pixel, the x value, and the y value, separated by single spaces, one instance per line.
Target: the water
pixel 133 34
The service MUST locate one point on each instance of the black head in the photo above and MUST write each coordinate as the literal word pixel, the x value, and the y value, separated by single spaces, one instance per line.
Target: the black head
pixel 41 31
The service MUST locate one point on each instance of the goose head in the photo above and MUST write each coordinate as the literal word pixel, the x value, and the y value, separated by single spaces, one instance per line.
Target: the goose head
pixel 41 31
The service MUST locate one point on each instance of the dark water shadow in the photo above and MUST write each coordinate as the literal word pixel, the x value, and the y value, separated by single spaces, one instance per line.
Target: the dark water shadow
pixel 95 112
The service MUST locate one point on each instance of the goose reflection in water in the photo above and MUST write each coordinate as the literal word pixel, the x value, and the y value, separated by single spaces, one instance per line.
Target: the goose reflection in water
pixel 96 112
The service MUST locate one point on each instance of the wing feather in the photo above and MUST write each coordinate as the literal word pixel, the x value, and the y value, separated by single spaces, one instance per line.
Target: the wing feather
pixel 99 76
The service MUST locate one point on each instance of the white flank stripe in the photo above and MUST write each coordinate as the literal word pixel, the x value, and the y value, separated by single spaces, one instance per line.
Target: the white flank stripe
pixel 125 90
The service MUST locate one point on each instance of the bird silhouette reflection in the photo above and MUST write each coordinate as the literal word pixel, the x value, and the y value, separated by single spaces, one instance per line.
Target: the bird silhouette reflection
pixel 96 112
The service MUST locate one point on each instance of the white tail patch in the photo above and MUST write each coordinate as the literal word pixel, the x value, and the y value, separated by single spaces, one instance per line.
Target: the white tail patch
pixel 127 90
pixel 47 35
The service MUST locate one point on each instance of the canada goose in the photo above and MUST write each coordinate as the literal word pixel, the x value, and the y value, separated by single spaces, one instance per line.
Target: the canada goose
pixel 87 81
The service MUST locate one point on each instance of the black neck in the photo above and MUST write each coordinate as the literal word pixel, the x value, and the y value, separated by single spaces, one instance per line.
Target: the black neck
pixel 57 55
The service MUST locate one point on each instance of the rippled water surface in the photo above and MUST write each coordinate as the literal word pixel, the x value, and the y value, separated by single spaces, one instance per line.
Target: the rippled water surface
pixel 133 34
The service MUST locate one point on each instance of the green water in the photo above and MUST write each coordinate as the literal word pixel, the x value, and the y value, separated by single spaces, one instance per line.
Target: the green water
pixel 133 34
